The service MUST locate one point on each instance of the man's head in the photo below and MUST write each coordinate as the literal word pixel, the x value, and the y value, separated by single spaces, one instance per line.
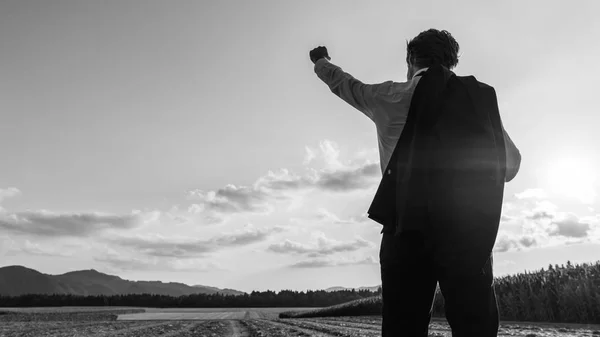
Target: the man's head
pixel 430 47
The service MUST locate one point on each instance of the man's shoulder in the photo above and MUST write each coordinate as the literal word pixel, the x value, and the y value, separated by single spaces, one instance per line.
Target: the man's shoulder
pixel 472 80
pixel 393 88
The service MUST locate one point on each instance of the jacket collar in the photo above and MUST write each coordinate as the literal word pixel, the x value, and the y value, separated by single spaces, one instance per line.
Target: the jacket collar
pixel 420 72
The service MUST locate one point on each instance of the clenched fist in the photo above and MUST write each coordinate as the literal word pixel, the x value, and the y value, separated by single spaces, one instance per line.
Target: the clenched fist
pixel 318 53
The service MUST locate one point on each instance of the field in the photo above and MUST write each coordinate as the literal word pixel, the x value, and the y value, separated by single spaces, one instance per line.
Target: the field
pixel 227 322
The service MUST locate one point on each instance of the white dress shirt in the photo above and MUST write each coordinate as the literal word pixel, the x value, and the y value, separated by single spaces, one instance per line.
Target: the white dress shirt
pixel 387 105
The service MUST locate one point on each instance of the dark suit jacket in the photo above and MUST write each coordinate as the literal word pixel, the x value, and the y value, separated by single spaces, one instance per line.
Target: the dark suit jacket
pixel 457 195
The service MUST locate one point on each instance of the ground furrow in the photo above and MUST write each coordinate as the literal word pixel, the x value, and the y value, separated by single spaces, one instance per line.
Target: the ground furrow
pixel 269 328
pixel 324 330
pixel 184 330
pixel 152 329
pixel 216 328
pixel 64 328
pixel 331 329
pixel 238 330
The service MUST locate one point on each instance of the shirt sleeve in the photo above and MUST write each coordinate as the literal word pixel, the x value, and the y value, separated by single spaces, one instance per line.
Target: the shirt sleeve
pixel 345 86
pixel 513 157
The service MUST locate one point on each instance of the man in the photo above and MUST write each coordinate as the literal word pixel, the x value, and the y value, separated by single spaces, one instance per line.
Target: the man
pixel 436 226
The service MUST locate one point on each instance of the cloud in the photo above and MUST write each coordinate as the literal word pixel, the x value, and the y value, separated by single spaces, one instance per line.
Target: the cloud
pixel 570 226
pixel 504 263
pixel 329 151
pixel 149 216
pixel 538 215
pixel 508 241
pixel 308 156
pixel 340 180
pixel 323 263
pixel 331 154
pixel 505 243
pixel 247 236
pixel 177 218
pixel 532 193
pixel 542 225
pixel 325 215
pixel 44 223
pixel 35 249
pixel 8 246
pixel 8 193
pixel 506 218
pixel 323 246
pixel 284 186
pixel 547 218
pixel 233 199
pixel 527 241
pixel 542 210
pixel 127 263
pixel 363 217
pixel 160 246
pixel 290 247
pixel 348 180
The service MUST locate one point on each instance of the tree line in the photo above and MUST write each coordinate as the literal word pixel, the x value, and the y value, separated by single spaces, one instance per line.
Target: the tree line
pixel 257 299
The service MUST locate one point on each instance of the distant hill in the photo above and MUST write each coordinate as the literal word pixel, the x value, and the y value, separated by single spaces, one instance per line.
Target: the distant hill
pixel 19 280
pixel 225 291
pixel 374 289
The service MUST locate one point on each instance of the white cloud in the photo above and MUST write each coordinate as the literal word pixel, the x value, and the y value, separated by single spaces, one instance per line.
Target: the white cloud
pixel 52 224
pixel 6 193
pixel 334 262
pixel 331 153
pixel 320 247
pixel 123 262
pixel 570 226
pixel 309 156
pixel 37 249
pixel 532 193
pixel 183 247
pixel 543 224
pixel 148 217
pixel 7 246
pixel 327 216
pixel 276 187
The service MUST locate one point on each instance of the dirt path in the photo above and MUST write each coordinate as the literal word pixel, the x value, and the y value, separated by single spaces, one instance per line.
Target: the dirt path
pixel 299 330
pixel 237 330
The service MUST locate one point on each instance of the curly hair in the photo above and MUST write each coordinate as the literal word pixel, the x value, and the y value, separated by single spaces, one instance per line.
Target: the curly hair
pixel 432 46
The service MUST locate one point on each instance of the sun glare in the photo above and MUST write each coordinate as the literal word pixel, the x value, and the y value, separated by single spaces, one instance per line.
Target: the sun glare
pixel 571 178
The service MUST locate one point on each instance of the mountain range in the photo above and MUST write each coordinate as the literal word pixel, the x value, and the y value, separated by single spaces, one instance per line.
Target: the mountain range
pixel 19 280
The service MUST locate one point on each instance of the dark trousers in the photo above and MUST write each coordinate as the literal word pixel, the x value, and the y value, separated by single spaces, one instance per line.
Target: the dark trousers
pixel 410 272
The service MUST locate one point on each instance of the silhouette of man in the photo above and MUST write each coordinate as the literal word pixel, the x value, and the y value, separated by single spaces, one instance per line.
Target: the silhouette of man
pixel 447 232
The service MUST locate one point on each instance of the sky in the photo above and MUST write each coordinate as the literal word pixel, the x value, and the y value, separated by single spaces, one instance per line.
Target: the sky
pixel 191 141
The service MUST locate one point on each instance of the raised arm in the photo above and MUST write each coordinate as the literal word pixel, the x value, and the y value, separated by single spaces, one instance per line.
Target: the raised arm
pixel 346 87
pixel 342 84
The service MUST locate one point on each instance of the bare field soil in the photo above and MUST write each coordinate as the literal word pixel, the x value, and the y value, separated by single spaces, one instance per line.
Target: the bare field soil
pixel 207 313
pixel 229 322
